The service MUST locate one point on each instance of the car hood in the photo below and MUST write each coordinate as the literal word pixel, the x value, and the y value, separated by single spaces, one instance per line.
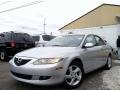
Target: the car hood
pixel 46 52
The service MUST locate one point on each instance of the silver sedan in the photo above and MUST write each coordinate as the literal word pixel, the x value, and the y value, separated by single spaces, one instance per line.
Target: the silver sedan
pixel 64 59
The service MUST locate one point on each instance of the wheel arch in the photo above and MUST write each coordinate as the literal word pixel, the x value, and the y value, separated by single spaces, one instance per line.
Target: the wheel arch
pixel 78 60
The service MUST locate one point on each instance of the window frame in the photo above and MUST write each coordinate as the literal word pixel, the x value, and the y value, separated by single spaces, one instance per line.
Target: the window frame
pixel 87 37
pixel 100 39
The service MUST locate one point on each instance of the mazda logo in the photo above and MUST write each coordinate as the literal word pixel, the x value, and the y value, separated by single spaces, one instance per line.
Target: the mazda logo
pixel 19 60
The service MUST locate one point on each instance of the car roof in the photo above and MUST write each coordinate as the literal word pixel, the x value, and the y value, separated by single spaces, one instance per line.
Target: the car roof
pixel 14 32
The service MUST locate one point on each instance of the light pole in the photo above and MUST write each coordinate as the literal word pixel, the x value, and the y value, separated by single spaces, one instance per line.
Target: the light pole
pixel 44 25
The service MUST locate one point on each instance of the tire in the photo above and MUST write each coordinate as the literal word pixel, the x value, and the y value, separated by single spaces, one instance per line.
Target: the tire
pixel 3 55
pixel 109 63
pixel 73 76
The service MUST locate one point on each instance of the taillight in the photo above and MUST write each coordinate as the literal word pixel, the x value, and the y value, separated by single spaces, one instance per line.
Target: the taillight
pixel 12 43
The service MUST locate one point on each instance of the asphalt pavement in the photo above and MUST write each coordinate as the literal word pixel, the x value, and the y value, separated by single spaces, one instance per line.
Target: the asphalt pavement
pixel 98 80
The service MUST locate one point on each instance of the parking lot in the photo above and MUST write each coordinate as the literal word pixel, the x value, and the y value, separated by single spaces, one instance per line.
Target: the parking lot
pixel 97 80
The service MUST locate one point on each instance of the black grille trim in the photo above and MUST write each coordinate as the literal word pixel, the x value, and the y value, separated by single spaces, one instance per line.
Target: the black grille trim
pixel 23 76
pixel 20 61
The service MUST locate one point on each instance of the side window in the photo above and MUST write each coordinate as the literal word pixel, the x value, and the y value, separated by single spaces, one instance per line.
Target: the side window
pixel 18 37
pixel 99 41
pixel 90 39
pixel 28 38
pixel 36 38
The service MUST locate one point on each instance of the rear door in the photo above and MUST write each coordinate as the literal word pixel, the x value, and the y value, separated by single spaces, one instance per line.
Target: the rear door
pixel 103 51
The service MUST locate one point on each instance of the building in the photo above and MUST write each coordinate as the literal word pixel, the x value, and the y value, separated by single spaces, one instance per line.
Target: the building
pixel 103 20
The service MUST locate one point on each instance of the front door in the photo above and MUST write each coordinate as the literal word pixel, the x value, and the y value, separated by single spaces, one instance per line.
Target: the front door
pixel 91 54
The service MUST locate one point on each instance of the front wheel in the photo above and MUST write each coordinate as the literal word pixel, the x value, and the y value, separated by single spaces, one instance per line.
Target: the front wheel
pixel 73 76
pixel 109 63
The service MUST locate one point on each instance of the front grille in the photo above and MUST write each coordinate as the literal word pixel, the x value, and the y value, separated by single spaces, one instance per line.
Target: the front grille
pixel 44 77
pixel 20 61
pixel 23 76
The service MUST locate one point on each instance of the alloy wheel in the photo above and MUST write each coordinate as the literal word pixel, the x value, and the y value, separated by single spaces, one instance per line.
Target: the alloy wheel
pixel 74 75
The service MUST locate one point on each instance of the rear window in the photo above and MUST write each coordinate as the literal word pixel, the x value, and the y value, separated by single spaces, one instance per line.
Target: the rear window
pixel 5 36
pixel 22 37
pixel 47 37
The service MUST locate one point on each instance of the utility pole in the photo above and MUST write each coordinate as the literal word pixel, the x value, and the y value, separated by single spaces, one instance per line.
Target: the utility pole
pixel 44 25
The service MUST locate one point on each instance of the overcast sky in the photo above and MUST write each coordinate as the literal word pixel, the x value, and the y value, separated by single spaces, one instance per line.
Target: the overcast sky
pixel 56 14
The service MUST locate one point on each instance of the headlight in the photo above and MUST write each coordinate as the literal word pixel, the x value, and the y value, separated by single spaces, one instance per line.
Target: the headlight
pixel 47 61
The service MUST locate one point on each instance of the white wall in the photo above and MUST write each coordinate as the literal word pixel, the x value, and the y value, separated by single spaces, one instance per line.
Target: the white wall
pixel 109 33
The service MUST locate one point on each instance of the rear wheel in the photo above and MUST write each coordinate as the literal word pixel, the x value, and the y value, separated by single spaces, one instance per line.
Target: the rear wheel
pixel 109 63
pixel 3 55
pixel 73 76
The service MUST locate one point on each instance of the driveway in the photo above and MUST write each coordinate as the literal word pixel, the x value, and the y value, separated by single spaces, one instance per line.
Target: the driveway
pixel 97 80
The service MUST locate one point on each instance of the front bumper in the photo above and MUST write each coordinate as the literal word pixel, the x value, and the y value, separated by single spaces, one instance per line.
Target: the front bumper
pixel 39 74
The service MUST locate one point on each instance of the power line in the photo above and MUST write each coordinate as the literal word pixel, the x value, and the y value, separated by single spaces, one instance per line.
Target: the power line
pixel 22 6
pixel 18 7
pixel 4 2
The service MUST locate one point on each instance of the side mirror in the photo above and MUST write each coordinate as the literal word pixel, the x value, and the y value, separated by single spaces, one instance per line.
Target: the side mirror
pixel 88 45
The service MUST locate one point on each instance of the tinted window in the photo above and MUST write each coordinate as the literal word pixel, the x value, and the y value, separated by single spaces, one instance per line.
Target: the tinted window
pixel 66 41
pixel 19 37
pixel 36 38
pixel 22 37
pixel 28 38
pixel 99 41
pixel 46 37
pixel 5 36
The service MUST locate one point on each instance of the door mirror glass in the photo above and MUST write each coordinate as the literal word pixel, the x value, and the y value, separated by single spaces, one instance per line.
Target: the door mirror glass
pixel 88 45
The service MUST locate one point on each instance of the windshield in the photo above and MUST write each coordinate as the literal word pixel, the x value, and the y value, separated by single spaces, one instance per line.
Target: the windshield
pixel 66 41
